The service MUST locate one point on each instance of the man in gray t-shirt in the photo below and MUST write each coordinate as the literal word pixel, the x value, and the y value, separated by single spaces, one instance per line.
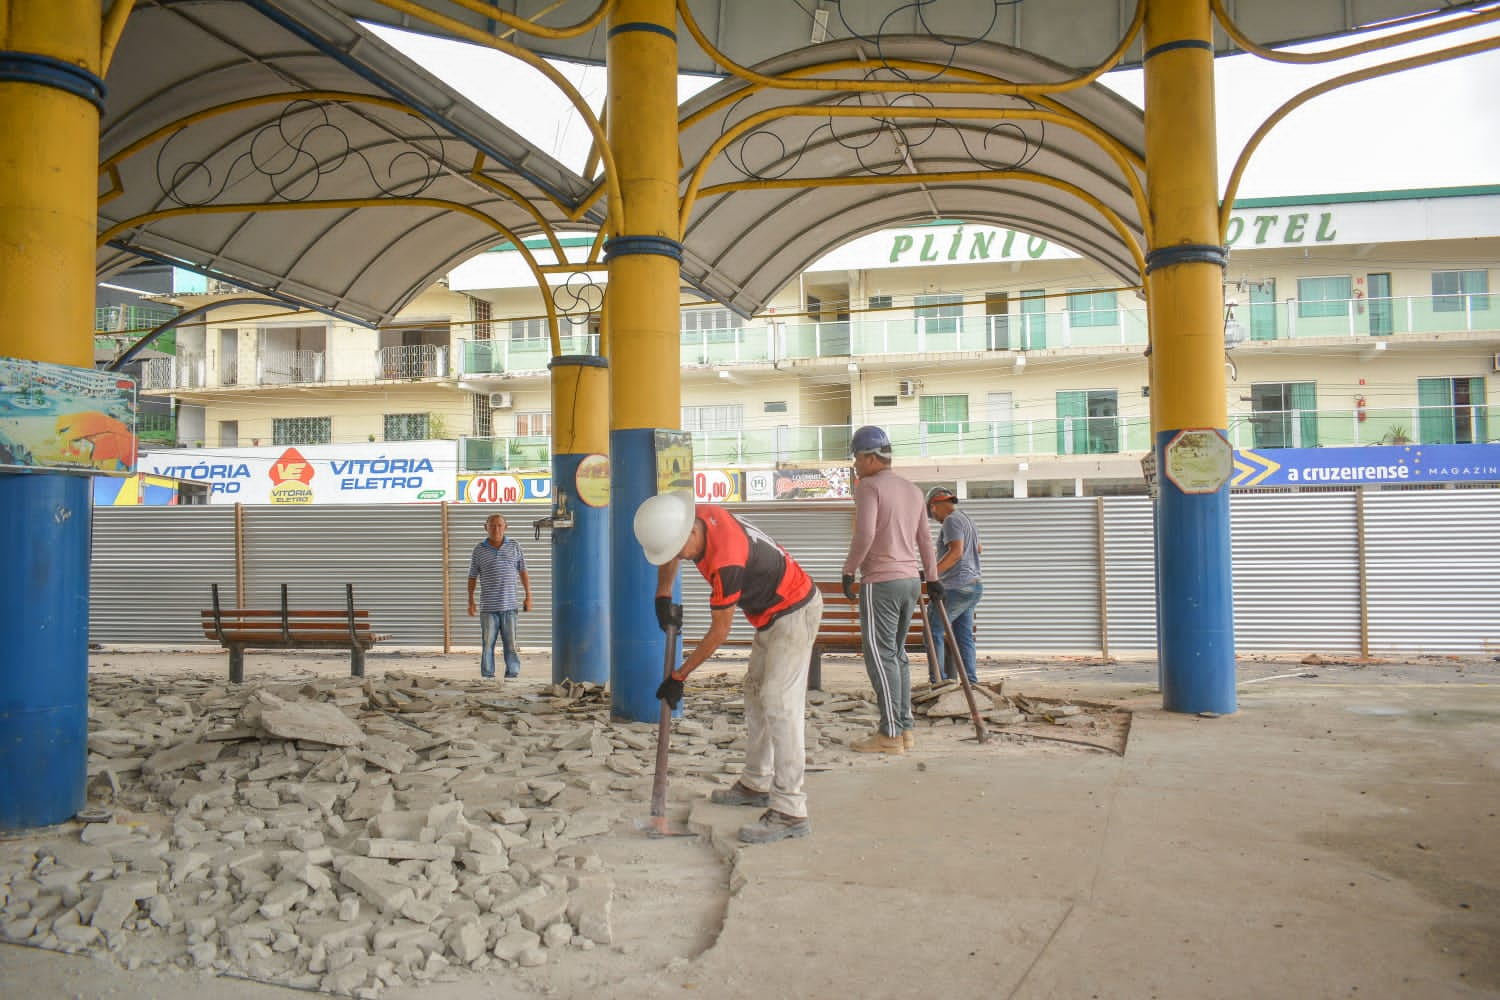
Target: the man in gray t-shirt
pixel 958 551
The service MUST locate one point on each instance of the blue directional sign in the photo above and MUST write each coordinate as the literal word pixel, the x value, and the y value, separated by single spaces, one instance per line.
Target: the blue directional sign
pixel 1374 464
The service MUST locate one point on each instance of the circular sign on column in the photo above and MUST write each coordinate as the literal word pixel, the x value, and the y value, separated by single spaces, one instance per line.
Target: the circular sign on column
pixel 1199 460
pixel 592 480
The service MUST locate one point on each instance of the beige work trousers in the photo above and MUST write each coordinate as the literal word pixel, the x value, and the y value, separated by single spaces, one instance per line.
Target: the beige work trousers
pixel 775 707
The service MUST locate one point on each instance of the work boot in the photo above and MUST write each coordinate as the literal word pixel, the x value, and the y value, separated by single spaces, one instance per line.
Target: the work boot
pixel 908 739
pixel 774 825
pixel 878 743
pixel 738 795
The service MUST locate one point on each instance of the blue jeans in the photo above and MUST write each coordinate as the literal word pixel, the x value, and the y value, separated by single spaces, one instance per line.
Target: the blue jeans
pixel 960 603
pixel 503 625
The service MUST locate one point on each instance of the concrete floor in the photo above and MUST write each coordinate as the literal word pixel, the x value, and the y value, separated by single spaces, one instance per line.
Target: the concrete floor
pixel 1339 836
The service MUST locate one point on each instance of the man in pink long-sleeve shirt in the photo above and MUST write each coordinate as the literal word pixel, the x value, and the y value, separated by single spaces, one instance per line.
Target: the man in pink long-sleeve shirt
pixel 890 546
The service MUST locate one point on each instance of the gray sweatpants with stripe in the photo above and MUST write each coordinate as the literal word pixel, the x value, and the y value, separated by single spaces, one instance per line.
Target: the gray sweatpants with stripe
pixel 885 611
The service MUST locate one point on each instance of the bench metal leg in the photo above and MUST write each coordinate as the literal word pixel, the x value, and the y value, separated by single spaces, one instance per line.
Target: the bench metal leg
pixel 236 664
pixel 357 661
pixel 815 671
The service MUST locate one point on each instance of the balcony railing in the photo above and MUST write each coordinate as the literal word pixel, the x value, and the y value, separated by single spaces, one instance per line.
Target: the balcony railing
pixel 411 361
pixel 290 367
pixel 1339 428
pixel 490 357
pixel 1044 437
pixel 496 454
pixel 1017 331
pixel 949 439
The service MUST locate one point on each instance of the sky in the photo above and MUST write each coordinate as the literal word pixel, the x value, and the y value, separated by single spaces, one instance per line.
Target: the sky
pixel 1433 127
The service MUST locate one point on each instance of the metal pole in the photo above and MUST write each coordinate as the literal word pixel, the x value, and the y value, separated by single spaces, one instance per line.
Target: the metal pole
pixel 1185 268
pixel 1362 548
pixel 447 585
pixel 1102 564
pixel 645 265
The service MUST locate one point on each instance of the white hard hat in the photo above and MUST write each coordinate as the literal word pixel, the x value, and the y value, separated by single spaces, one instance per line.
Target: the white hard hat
pixel 663 523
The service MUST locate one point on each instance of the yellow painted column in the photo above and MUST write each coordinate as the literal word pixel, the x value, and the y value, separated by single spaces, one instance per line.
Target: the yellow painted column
pixel 580 519
pixel 49 178
pixel 1185 265
pixel 645 261
pixel 50 94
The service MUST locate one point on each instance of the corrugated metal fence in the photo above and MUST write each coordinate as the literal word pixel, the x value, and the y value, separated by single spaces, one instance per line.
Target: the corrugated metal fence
pixel 1379 573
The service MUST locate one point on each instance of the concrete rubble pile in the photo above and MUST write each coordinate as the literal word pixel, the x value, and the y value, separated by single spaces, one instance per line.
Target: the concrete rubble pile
pixel 352 835
pixel 946 700
pixel 349 836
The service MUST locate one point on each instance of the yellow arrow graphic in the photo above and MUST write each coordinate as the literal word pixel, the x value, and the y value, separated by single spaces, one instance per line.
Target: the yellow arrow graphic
pixel 1251 469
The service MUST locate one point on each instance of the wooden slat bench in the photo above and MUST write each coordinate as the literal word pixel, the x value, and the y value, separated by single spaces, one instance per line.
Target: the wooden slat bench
pixel 839 631
pixel 239 629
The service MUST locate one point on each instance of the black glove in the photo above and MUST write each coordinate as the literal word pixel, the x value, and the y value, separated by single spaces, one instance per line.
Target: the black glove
pixel 849 586
pixel 670 692
pixel 668 613
pixel 935 590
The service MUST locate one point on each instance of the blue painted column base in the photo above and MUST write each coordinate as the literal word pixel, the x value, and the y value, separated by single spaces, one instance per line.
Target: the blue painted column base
pixel 44 637
pixel 581 583
pixel 637 644
pixel 1195 608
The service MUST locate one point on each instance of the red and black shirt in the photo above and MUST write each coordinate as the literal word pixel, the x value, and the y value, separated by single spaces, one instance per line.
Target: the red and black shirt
pixel 748 570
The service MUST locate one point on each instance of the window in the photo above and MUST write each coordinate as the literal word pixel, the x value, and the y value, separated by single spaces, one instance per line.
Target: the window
pixel 1087 308
pixel 534 423
pixel 776 406
pixel 726 417
pixel 1460 291
pixel 883 401
pixel 301 430
pixel 943 414
pixel 1452 411
pixel 482 313
pixel 880 302
pixel 1284 414
pixel 939 313
pixel 406 427
pixel 482 415
pixel 1033 320
pixel 714 325
pixel 529 329
pixel 1088 422
pixel 1318 297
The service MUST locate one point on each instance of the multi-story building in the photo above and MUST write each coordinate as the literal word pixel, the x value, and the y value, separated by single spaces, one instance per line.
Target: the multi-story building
pixel 994 359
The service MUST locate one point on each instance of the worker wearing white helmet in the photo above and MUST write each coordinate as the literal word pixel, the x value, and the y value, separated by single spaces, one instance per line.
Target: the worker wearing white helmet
pixel 746 569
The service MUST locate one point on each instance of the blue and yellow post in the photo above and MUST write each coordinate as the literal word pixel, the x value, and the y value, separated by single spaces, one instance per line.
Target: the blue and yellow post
pixel 50 99
pixel 1185 281
pixel 580 498
pixel 645 262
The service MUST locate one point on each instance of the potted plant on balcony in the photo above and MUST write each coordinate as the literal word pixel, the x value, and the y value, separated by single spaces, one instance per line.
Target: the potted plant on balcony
pixel 1396 434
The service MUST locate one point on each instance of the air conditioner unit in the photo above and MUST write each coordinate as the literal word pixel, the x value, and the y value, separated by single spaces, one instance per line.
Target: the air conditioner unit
pixel 906 388
pixel 499 400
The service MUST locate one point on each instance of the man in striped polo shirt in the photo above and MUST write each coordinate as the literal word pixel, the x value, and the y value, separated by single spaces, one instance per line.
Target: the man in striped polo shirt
pixel 498 565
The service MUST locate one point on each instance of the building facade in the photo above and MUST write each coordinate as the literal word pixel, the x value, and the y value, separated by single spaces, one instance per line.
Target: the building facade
pixel 998 362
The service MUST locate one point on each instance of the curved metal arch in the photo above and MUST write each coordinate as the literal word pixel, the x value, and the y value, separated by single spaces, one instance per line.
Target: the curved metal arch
pixel 318 99
pixel 1138 19
pixel 1084 234
pixel 1104 247
pixel 229 209
pixel 880 210
pixel 1094 140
